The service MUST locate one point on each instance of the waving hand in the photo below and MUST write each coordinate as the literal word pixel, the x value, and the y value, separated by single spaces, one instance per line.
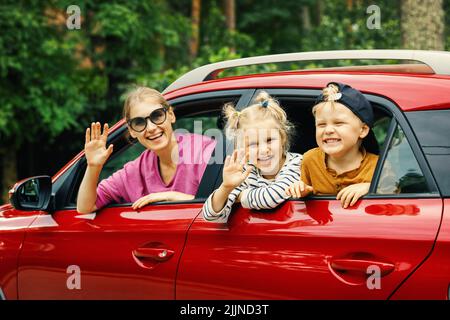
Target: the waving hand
pixel 95 145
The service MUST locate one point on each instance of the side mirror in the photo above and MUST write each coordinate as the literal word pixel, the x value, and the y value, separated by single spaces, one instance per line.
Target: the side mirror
pixel 32 194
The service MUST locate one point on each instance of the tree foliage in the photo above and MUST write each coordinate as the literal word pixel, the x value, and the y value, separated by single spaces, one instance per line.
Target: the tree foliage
pixel 40 92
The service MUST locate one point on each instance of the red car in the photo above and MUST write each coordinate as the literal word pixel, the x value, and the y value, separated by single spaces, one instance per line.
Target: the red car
pixel 393 244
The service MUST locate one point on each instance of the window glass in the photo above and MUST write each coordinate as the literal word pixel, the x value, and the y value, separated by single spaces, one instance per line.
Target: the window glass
pixel 432 129
pixel 128 153
pixel 401 172
pixel 195 116
pixel 197 123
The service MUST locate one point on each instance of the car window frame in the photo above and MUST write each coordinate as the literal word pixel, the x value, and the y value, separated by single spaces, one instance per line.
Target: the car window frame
pixel 398 117
pixel 64 187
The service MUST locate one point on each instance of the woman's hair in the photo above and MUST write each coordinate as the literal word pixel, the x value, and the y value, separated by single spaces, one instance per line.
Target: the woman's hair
pixel 329 97
pixel 142 94
pixel 264 107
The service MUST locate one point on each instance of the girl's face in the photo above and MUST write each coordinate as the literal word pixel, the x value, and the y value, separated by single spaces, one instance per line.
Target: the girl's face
pixel 154 137
pixel 265 146
pixel 338 130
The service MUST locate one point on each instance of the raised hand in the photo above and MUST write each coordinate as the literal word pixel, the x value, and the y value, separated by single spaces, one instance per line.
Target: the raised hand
pixel 95 145
pixel 233 170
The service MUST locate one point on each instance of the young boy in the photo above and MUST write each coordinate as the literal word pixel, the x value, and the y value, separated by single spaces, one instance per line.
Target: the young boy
pixel 340 165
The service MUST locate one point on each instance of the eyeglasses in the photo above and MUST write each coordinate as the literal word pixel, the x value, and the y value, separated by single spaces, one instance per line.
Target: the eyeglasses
pixel 157 117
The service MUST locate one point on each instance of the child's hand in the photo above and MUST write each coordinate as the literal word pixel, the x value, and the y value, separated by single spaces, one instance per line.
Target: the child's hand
pixel 349 195
pixel 233 170
pixel 298 190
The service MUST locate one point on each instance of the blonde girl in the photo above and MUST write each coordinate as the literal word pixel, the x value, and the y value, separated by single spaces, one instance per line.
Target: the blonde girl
pixel 261 167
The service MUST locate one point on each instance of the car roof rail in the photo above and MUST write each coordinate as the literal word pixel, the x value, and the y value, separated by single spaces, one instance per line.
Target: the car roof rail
pixel 438 61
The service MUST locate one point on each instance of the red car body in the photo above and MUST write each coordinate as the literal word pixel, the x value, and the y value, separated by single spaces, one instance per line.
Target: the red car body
pixel 304 249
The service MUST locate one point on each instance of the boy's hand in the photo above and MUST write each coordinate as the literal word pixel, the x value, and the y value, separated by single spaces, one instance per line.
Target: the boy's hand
pixel 349 195
pixel 298 190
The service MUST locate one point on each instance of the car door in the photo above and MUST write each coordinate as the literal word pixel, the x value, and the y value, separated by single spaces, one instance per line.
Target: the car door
pixel 13 225
pixel 432 278
pixel 117 252
pixel 313 248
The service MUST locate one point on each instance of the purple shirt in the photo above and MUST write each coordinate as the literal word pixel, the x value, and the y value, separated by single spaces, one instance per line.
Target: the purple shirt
pixel 141 176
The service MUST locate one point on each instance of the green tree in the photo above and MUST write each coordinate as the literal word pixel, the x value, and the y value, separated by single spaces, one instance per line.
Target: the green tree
pixel 54 80
pixel 40 95
pixel 344 26
pixel 128 39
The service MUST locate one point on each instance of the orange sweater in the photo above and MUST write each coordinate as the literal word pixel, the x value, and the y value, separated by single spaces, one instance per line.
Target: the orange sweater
pixel 325 181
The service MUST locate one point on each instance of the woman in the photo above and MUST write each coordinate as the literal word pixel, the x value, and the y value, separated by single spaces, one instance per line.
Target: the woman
pixel 169 170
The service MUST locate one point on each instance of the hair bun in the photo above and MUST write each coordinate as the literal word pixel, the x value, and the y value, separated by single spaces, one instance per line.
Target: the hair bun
pixel 331 93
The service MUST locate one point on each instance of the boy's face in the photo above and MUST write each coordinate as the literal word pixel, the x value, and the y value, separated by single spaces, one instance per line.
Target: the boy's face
pixel 338 129
pixel 265 146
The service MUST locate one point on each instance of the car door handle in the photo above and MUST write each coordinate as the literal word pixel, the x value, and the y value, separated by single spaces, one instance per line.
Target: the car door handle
pixel 360 265
pixel 157 254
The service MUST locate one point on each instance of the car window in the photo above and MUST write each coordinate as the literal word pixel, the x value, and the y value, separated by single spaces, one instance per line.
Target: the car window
pixel 201 115
pixel 200 124
pixel 433 132
pixel 190 123
pixel 401 172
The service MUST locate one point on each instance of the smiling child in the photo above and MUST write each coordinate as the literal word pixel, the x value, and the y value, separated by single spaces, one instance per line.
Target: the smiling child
pixel 340 165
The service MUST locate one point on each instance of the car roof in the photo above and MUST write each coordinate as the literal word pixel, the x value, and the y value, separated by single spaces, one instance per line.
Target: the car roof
pixel 408 91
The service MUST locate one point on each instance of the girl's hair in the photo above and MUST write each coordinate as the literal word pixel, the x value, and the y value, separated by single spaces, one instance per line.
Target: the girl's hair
pixel 329 97
pixel 264 107
pixel 140 94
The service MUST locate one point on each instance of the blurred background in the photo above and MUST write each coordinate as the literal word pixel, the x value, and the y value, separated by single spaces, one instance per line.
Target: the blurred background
pixel 59 73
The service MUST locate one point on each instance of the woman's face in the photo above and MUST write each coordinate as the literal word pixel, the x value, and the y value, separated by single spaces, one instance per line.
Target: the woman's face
pixel 153 137
pixel 265 146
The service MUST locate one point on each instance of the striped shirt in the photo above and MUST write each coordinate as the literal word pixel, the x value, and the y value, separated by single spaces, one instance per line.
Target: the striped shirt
pixel 257 192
